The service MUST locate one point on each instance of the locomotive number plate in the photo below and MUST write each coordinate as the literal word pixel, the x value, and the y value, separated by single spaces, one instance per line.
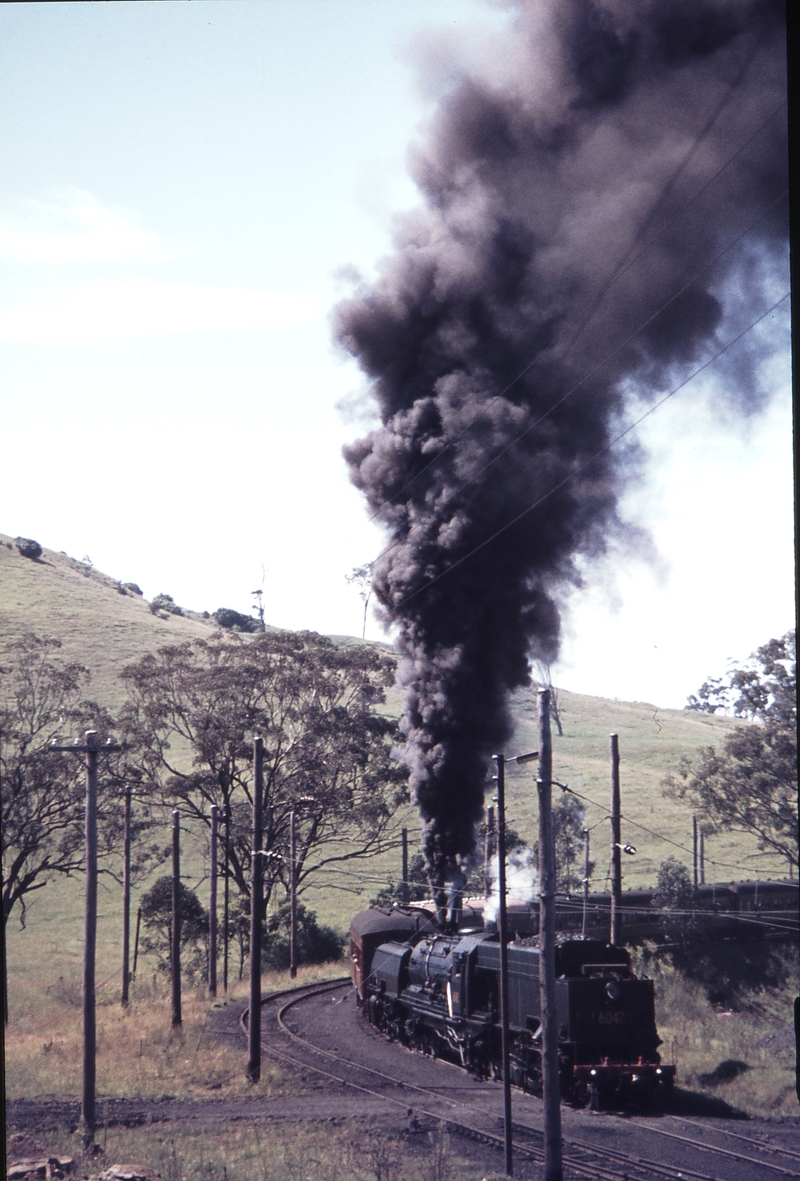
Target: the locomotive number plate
pixel 615 1017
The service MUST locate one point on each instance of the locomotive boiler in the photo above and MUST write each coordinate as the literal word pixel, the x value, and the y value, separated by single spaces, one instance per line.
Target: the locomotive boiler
pixel 439 992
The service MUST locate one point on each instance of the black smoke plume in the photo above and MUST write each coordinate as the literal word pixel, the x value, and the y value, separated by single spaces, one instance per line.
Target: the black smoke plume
pixel 604 206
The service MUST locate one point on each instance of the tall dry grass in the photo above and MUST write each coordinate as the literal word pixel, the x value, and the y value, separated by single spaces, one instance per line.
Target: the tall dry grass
pixel 138 1052
pixel 352 1150
pixel 699 1036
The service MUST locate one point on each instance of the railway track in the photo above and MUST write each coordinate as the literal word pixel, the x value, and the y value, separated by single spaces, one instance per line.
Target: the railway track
pixel 477 1118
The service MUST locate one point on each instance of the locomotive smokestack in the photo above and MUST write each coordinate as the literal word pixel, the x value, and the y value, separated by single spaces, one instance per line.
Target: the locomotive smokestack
pixel 455 899
pixel 604 207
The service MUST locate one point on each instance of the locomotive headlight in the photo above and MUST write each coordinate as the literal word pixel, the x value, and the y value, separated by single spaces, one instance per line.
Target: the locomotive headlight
pixel 658 1070
pixel 612 990
pixel 592 1073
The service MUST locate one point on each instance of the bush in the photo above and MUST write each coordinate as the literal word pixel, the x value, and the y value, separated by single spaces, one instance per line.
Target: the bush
pixel 28 547
pixel 733 973
pixel 156 908
pixel 315 944
pixel 419 886
pixel 133 587
pixel 164 602
pixel 228 618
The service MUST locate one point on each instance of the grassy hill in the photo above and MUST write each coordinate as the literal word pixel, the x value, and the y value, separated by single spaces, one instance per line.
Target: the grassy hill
pixel 105 626
pixel 99 623
pixel 105 629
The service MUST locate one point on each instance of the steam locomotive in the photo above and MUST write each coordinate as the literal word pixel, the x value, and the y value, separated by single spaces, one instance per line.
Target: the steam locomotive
pixel 437 991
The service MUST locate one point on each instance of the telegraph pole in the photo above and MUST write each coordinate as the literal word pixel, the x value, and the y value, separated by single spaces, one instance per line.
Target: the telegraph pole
pixel 136 940
pixel 702 858
pixel 553 1170
pixel 616 847
pixel 292 896
pixel 212 906
pixel 90 749
pixel 226 896
pixel 256 893
pixel 501 928
pixel 176 919
pixel 586 864
pixel 126 901
pixel 404 892
pixel 694 853
pixel 488 852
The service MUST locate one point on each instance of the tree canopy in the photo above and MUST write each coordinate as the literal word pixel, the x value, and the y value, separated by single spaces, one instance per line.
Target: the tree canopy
pixel 194 709
pixel 156 907
pixel 751 784
pixel 43 791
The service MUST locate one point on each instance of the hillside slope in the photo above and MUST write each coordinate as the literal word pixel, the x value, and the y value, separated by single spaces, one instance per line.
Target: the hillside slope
pixel 99 623
pixel 106 629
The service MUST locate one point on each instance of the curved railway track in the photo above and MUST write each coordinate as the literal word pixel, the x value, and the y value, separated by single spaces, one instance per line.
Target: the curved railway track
pixel 477 1114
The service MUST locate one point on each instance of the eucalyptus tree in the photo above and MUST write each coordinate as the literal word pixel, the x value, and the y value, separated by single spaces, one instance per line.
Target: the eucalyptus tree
pixel 194 708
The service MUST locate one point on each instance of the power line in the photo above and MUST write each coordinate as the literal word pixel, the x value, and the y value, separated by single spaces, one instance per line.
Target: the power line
pixel 621 269
pixel 603 450
pixel 610 356
pixel 659 836
pixel 573 389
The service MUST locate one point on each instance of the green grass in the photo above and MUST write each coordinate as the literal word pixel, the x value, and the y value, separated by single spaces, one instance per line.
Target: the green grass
pixel 58 596
pixel 99 627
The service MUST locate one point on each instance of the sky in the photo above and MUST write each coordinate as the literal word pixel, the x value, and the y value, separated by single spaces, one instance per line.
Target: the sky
pixel 187 188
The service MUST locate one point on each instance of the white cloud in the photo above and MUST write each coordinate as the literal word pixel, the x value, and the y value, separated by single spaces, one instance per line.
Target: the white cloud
pixel 74 226
pixel 115 310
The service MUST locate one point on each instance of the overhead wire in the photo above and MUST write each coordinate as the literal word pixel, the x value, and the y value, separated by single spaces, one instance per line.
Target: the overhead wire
pixel 659 836
pixel 587 463
pixel 610 356
pixel 590 373
pixel 622 267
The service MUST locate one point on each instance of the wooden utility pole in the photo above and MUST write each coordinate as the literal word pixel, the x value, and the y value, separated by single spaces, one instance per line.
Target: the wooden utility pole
pixel 702 858
pixel 126 900
pixel 488 853
pixel 212 906
pixel 694 853
pixel 256 897
pixel 90 749
pixel 553 1170
pixel 502 934
pixel 226 896
pixel 586 864
pixel 136 940
pixel 292 896
pixel 616 844
pixel 404 891
pixel 176 919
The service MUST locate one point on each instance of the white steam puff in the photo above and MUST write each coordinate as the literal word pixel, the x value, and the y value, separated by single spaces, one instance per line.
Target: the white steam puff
pixel 522 882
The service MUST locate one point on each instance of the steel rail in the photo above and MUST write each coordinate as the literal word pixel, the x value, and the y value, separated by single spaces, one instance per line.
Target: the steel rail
pixel 593 1169
pixel 651 1168
pixel 766 1147
pixel 478 1134
pixel 737 1156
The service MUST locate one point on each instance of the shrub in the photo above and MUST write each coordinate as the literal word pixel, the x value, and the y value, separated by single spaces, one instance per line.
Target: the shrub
pixel 132 587
pixel 419 886
pixel 228 618
pixel 163 602
pixel 315 944
pixel 28 547
pixel 157 914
